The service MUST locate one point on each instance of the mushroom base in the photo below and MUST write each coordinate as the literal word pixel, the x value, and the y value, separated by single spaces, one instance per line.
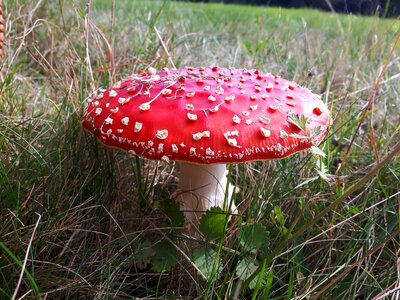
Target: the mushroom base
pixel 202 187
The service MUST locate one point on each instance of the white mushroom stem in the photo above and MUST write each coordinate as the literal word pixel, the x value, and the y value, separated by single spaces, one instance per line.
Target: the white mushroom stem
pixel 202 187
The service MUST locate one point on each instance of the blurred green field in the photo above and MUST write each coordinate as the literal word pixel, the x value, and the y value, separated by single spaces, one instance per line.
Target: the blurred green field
pixel 79 221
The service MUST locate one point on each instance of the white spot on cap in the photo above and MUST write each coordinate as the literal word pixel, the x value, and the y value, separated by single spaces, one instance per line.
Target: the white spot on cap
pixel 245 113
pixel 114 110
pixel 233 142
pixel 122 100
pixel 209 152
pixel 182 145
pixel 265 132
pixel 107 104
pixel 138 127
pixel 160 148
pixel 231 133
pixel 99 96
pixel 125 120
pixel 162 134
pixel 192 117
pixel 214 109
pixel 98 111
pixel 211 98
pixel 236 119
pixel 166 92
pixel 264 96
pixel 249 121
pixel 144 106
pixel 108 121
pixel 190 95
pixel 199 135
pixel 112 93
pixel 95 103
pixel 192 151
pixel 265 120
pixel 257 88
pixel 120 130
pixel 254 107
pixel 151 71
pixel 174 148
pixel 206 87
pixel 269 87
pixel 189 107
pixel 230 98
pixel 253 97
pixel 219 90
pixel 283 134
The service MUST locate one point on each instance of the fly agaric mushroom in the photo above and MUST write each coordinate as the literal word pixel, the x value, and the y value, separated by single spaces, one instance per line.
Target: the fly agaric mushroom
pixel 206 118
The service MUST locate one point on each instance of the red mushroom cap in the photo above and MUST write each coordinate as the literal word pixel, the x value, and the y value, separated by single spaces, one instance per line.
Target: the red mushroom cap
pixel 208 115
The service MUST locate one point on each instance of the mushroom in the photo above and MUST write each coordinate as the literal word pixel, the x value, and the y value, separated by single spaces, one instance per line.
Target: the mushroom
pixel 206 118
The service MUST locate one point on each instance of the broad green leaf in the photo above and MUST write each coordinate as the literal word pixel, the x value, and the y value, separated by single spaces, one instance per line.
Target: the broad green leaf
pixel 246 268
pixel 206 260
pixel 165 256
pixel 253 237
pixel 212 224
pixel 299 121
pixel 172 210
pixel 143 253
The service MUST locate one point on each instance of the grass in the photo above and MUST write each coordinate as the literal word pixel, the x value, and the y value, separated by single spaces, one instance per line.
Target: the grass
pixel 78 221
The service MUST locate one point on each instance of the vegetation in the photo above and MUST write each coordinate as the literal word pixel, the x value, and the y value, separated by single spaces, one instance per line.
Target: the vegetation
pixel 79 221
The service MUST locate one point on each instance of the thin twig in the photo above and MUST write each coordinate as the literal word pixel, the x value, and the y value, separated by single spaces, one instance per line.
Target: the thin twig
pixel 87 30
pixel 164 47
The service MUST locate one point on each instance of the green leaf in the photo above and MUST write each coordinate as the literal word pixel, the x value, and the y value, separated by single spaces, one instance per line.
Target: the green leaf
pixel 316 151
pixel 246 268
pixel 248 47
pixel 299 121
pixel 172 210
pixel 323 171
pixel 212 224
pixel 165 256
pixel 315 132
pixel 353 209
pixel 279 215
pixel 206 260
pixel 143 253
pixel 253 237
